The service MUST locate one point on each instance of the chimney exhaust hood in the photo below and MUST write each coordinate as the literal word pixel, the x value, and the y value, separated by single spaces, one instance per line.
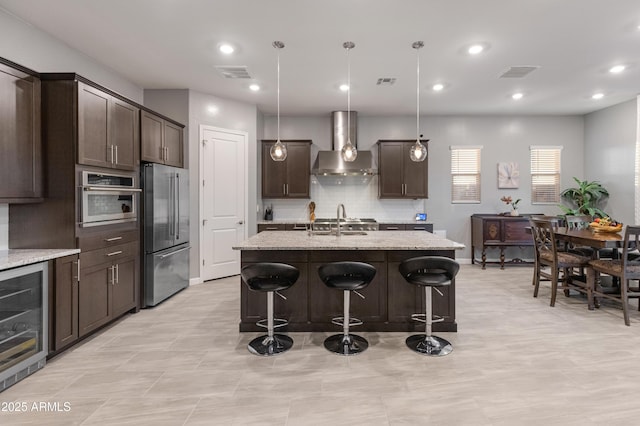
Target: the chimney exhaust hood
pixel 330 163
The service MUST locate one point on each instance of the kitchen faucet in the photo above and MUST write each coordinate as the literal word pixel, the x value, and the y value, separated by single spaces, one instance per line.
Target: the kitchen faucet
pixel 344 216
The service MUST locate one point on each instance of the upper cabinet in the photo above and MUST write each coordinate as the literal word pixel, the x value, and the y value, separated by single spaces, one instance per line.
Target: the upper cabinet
pixel 20 141
pixel 107 130
pixel 289 178
pixel 162 141
pixel 399 176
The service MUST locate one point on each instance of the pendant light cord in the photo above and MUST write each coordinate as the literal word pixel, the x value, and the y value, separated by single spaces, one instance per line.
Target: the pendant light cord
pixel 418 94
pixel 278 93
pixel 348 97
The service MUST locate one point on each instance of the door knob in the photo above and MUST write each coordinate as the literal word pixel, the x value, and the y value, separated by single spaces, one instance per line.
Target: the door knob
pixel 241 222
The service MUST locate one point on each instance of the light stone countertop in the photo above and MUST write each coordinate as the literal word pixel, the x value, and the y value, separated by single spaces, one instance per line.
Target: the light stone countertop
pixel 305 222
pixel 374 240
pixel 19 257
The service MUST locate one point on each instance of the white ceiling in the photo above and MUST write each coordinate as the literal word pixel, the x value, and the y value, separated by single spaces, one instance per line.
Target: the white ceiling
pixel 161 44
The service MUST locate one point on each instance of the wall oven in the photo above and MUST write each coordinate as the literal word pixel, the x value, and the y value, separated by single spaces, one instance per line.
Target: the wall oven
pixel 108 198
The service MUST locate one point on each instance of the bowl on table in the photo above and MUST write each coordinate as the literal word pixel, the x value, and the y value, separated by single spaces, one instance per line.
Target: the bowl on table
pixel 597 227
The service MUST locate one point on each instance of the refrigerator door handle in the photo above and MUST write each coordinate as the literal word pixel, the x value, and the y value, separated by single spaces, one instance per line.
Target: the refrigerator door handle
pixel 174 252
pixel 172 206
pixel 177 218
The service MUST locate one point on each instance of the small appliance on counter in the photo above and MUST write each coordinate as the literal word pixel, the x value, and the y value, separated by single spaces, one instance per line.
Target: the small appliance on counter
pixel 268 213
pixel 421 216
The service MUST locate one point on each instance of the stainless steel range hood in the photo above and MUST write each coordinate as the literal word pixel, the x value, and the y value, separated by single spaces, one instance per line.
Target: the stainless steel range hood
pixel 330 163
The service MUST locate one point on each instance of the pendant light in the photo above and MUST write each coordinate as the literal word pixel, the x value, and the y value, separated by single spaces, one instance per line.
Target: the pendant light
pixel 349 151
pixel 279 150
pixel 418 150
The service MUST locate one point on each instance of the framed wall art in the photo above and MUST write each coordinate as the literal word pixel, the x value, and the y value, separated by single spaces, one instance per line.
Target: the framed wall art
pixel 508 176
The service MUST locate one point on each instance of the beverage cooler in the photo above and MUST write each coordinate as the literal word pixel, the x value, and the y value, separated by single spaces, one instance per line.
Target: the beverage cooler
pixel 23 322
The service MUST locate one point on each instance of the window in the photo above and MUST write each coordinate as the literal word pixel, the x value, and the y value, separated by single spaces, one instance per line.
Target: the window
pixel 465 174
pixel 545 174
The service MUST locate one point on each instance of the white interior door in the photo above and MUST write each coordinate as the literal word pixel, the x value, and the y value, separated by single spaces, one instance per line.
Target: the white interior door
pixel 222 197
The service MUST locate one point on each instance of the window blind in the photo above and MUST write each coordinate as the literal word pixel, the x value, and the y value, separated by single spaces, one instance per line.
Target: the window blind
pixel 465 175
pixel 545 175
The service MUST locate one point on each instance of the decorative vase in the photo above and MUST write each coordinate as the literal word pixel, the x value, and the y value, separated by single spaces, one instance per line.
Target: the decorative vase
pixel 514 212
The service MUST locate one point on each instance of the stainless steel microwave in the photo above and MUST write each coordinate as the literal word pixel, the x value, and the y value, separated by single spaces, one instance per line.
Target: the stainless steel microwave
pixel 108 198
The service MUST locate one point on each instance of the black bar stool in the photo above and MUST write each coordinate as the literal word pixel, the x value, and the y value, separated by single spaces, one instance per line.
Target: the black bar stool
pixel 270 278
pixel 348 277
pixel 430 272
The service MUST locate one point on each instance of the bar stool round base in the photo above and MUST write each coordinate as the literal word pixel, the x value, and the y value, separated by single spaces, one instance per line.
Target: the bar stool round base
pixel 431 346
pixel 265 346
pixel 346 345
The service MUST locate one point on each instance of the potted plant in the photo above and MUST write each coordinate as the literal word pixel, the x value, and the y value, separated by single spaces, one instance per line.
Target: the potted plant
pixel 514 204
pixel 585 198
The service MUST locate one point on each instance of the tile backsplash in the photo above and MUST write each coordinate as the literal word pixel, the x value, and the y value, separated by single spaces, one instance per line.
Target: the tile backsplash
pixel 358 194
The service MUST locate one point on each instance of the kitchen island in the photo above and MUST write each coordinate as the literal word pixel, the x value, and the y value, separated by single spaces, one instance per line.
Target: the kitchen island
pixel 310 305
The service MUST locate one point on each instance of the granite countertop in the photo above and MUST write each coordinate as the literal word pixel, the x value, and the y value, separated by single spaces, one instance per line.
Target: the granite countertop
pixel 306 221
pixel 373 240
pixel 405 222
pixel 19 257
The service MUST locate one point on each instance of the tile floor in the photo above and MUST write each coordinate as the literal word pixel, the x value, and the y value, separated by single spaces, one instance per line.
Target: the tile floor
pixel 516 361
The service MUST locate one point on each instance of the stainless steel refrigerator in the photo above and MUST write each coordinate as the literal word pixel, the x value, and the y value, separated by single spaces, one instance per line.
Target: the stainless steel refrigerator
pixel 166 231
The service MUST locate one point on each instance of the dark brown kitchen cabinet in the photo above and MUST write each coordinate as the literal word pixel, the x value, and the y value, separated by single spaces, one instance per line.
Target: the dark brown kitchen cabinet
pixel 162 141
pixel 65 302
pixel 271 227
pixel 399 176
pixel 406 227
pixel 289 178
pixel 108 285
pixel 20 140
pixel 107 130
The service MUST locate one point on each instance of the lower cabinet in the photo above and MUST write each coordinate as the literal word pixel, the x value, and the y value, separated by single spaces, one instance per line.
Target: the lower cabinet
pixel 106 291
pixel 64 315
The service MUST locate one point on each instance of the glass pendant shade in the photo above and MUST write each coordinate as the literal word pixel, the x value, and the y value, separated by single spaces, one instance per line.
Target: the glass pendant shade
pixel 278 151
pixel 418 151
pixel 348 151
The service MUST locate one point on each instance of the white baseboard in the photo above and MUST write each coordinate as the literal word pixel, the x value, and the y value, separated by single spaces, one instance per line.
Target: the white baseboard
pixel 196 280
pixel 464 261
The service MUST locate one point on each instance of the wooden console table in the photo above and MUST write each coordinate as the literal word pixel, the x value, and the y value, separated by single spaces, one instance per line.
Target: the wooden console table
pixel 496 231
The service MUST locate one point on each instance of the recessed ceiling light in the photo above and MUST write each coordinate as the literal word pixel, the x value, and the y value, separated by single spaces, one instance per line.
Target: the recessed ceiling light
pixel 475 49
pixel 597 96
pixel 254 87
pixel 226 48
pixel 517 96
pixel 617 69
pixel 344 87
pixel 438 87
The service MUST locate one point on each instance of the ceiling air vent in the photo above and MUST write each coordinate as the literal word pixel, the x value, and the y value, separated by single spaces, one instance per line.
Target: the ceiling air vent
pixel 386 81
pixel 518 72
pixel 238 71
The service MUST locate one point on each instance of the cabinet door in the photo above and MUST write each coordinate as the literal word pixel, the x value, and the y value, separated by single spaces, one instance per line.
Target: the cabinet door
pixel 65 316
pixel 173 145
pixel 274 174
pixel 390 168
pixel 94 147
pixel 414 174
pixel 125 288
pixel 151 130
pixel 391 227
pixel 298 169
pixel 124 134
pixel 20 143
pixel 94 297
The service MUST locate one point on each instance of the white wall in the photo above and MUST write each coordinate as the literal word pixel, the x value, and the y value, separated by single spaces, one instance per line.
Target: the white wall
pixel 610 149
pixel 504 138
pixel 28 46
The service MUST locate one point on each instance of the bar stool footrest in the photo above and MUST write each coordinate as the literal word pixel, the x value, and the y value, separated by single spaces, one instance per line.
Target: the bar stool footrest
pixel 277 322
pixel 352 321
pixel 422 318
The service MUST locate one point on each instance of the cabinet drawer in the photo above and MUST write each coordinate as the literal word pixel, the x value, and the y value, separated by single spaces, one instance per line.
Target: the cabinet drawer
pixel 108 254
pixel 296 227
pixel 271 227
pixel 423 227
pixel 107 239
pixel 391 227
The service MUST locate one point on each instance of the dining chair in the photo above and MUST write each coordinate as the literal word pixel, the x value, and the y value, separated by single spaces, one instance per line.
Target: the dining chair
pixel 579 222
pixel 627 269
pixel 560 263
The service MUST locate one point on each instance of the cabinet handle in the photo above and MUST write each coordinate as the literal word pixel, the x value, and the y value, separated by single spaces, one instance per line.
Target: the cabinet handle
pixel 77 262
pixel 111 280
pixel 392 228
pixel 112 239
pixel 419 228
pixel 116 147
pixel 166 157
pixel 114 253
pixel 299 228
pixel 271 228
pixel 284 189
pixel 111 157
pixel 117 279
